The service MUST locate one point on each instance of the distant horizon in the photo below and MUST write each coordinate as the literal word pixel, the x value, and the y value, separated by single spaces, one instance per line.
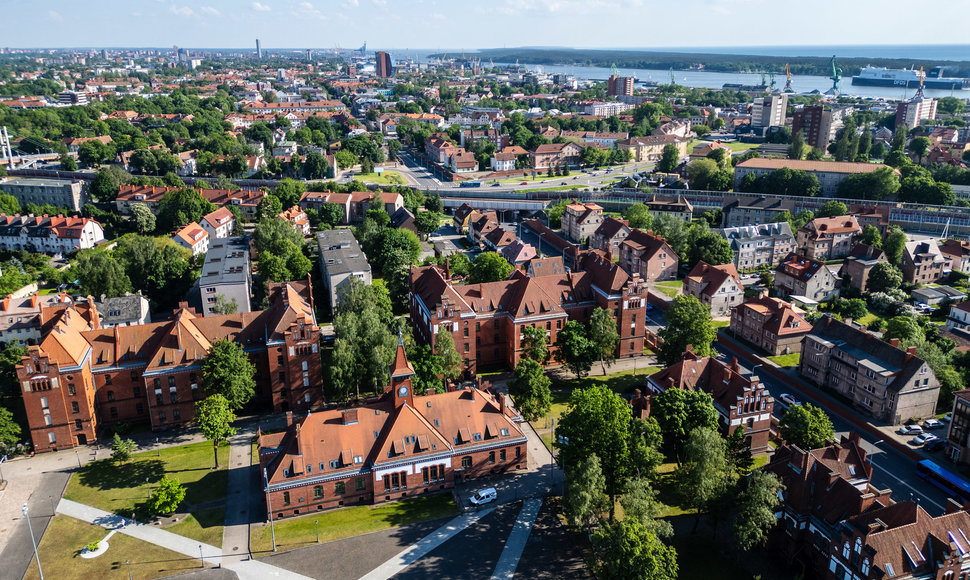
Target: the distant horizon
pixel 213 24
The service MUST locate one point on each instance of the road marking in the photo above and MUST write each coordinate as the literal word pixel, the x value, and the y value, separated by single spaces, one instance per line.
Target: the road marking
pixel 424 546
pixel 913 489
pixel 515 544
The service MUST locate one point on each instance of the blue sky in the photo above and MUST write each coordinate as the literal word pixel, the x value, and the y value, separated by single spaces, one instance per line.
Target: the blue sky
pixel 456 24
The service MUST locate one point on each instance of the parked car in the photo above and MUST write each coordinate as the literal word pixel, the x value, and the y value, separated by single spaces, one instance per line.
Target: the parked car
pixel 924 438
pixel 910 430
pixel 935 445
pixel 496 184
pixel 484 496
pixel 788 399
pixel 932 424
pixel 524 183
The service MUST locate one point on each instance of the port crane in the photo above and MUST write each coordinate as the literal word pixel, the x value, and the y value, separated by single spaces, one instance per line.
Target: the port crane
pixel 788 88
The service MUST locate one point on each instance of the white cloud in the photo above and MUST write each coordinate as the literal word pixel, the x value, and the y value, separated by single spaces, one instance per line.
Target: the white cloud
pixel 181 11
pixel 380 3
pixel 260 7
pixel 210 11
pixel 55 16
pixel 307 9
pixel 352 3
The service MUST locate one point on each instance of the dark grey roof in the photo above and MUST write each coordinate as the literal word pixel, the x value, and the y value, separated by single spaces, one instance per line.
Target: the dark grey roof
pixel 400 217
pixel 226 262
pixel 340 253
pixel 121 308
pixel 866 346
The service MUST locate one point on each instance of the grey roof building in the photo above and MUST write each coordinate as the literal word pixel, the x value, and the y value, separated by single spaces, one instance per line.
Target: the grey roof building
pixel 883 381
pixel 760 244
pixel 341 259
pixel 127 310
pixel 60 192
pixel 226 272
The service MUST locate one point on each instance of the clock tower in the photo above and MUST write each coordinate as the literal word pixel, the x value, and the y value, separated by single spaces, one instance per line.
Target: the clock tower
pixel 401 373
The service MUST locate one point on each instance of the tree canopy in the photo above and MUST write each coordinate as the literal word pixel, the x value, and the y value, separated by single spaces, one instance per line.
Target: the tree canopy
pixel 806 426
pixel 688 323
pixel 227 371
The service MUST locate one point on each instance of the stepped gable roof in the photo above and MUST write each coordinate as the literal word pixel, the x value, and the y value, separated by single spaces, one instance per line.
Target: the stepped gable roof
pixel 611 226
pixel 714 276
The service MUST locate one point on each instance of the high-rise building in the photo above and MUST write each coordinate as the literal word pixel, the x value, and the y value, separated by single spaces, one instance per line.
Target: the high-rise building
pixel 769 111
pixel 913 112
pixel 617 86
pixel 816 125
pixel 259 50
pixel 383 64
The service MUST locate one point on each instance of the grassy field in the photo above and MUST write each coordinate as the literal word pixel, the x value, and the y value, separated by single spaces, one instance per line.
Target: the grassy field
pixel 539 178
pixel 204 526
pixel 351 521
pixel 786 360
pixel 66 537
pixel 671 288
pixel 734 145
pixel 721 323
pixel 385 178
pixel 868 319
pixel 123 488
pixel 667 492
pixel 561 188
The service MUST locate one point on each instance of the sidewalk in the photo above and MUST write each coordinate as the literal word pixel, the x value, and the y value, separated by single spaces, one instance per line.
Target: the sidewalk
pixel 245 570
pixel 235 534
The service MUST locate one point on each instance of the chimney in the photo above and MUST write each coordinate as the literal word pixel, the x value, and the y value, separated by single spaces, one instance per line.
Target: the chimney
pixel 289 418
pixel 894 342
pixel 430 391
pixel 299 441
pixel 501 403
pixel 910 353
pixel 349 416
pixel 734 365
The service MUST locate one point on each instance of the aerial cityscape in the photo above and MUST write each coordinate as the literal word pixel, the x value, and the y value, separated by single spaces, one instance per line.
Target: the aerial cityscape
pixel 548 295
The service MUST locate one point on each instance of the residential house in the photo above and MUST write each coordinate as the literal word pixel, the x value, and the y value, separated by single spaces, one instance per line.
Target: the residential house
pixel 462 161
pixel 518 253
pixel 480 224
pixel 959 317
pixel 439 150
pixel 957 254
pixel 341 259
pixel 219 224
pixel 403 219
pixel 859 263
pixel 226 272
pixel 676 207
pixel 876 216
pixel 771 324
pixel 741 402
pixel 650 148
pixel 798 276
pixel 878 378
pixel 581 220
pixel 759 245
pixel 461 217
pixel 704 149
pixel 556 155
pixel 717 287
pixel 192 237
pixel 20 316
pixel 403 444
pixel 923 262
pixel 498 239
pixel 608 236
pixel 468 137
pixel 71 194
pixel 49 234
pixel 487 320
pixel 748 210
pixel 83 377
pixel 128 310
pixel 296 218
pixel 828 238
pixel 648 255
pixel 73 144
pixel 958 435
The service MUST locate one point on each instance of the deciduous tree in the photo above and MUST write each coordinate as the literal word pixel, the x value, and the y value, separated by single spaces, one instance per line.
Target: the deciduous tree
pixel 530 389
pixel 884 277
pixel 227 371
pixel 688 323
pixel 535 344
pixel 444 348
pixel 214 417
pixel 166 498
pixel 585 495
pixel 758 496
pixel 574 349
pixel 806 426
pixel 489 267
pixel 603 335
pixel 625 550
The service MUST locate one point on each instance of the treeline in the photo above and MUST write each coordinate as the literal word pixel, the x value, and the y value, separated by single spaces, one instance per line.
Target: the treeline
pixel 660 60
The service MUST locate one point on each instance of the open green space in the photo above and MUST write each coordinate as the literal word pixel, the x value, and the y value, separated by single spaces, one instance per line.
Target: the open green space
pixel 203 525
pixel 542 177
pixel 668 492
pixel 868 319
pixel 346 522
pixel 671 288
pixel 124 488
pixel 562 188
pixel 786 360
pixel 721 323
pixel 66 537
pixel 699 554
pixel 385 178
pixel 735 146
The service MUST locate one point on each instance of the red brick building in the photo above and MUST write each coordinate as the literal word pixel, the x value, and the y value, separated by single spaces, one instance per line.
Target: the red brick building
pixel 771 324
pixel 399 445
pixel 486 320
pixel 648 255
pixel 82 377
pixel 740 402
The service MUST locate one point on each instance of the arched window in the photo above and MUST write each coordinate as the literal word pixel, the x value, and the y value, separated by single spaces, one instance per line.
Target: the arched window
pixel 858 545
pixel 845 551
pixel 865 567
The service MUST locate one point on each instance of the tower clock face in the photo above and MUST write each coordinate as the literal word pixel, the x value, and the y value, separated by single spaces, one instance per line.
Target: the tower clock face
pixel 403 391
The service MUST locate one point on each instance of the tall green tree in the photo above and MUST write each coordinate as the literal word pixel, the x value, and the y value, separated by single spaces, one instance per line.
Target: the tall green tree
pixel 227 371
pixel 489 267
pixel 121 449
pixel 688 323
pixel 535 344
pixel 585 496
pixel 758 496
pixel 363 351
pixel 638 215
pixel 444 348
pixel 143 218
pixel 832 208
pixel 574 349
pixel 181 207
pixel 625 550
pixel 707 472
pixel 919 146
pixel 107 181
pixel 894 244
pixel 640 503
pixel 806 426
pixel 214 417
pixel 871 236
pixel 603 335
pixel 98 273
pixel 679 412
pixel 530 389
pixel 884 277
pixel 669 159
pixel 167 496
pixel 796 150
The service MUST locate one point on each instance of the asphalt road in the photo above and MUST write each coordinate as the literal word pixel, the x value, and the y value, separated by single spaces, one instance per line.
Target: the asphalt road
pixel 891 469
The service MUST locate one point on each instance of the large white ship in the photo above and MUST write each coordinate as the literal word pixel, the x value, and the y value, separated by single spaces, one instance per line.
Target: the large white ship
pixel 874 76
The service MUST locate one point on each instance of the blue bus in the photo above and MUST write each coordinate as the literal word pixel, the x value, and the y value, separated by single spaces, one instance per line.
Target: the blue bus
pixel 470 184
pixel 943 479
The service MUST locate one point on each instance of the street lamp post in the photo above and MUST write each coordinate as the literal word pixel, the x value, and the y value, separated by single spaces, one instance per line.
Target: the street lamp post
pixel 33 541
pixel 53 510
pixel 78 455
pixel 269 504
pixel 128 563
pixel 201 555
pixel 316 524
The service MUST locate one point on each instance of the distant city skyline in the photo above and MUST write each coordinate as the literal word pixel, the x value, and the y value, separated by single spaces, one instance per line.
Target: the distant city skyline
pixel 456 24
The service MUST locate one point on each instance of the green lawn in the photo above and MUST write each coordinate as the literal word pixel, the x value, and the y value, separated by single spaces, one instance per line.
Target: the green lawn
pixel 721 323
pixel 671 288
pixel 385 178
pixel 123 488
pixel 786 360
pixel 561 188
pixel 66 537
pixel 734 145
pixel 668 492
pixel 300 531
pixel 698 554
pixel 868 319
pixel 519 179
pixel 204 526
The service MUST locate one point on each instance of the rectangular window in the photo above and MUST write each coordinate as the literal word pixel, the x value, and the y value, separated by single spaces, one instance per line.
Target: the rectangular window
pixel 318 492
pixel 139 409
pixel 78 425
pixel 424 475
pixel 114 412
pixel 360 484
pixel 111 396
pixel 174 396
pixel 501 455
pixel 137 391
pixel 70 389
pixel 491 457
pixel 161 416
pixel 134 375
pixel 176 414
pixel 282 377
pixel 387 483
pixel 158 400
pixel 339 488
pixel 107 379
pixel 74 407
pixel 51 438
pixel 286 498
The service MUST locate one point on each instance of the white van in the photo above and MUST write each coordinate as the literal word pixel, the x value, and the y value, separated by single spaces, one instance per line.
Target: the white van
pixel 484 496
